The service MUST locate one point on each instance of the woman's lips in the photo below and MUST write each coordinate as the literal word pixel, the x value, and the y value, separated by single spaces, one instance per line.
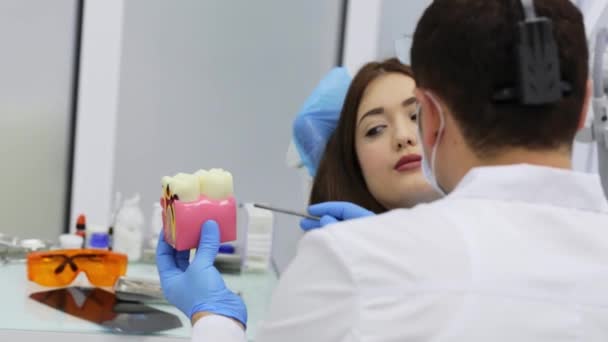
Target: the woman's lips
pixel 408 162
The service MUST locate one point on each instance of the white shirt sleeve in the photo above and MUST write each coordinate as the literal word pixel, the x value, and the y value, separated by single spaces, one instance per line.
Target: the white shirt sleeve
pixel 217 328
pixel 316 298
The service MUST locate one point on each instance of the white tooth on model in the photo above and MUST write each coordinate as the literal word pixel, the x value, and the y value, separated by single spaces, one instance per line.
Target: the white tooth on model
pixel 215 183
pixel 202 176
pixel 185 186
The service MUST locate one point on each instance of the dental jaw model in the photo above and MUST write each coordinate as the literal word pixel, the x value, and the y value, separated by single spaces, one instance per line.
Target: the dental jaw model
pixel 188 200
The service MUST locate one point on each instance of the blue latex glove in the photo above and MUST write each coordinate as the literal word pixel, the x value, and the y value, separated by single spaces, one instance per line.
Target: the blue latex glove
pixel 332 212
pixel 197 286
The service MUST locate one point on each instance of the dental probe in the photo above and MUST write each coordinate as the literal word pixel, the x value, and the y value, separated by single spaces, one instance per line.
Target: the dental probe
pixel 285 211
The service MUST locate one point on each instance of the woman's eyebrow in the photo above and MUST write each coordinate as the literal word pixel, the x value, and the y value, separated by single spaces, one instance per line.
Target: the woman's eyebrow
pixel 409 101
pixel 374 111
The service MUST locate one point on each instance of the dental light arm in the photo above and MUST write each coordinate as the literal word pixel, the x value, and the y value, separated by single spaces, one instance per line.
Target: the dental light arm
pixel 600 106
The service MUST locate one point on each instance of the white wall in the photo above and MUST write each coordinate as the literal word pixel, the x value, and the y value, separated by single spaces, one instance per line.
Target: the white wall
pixel 398 18
pixel 37 38
pixel 372 27
pixel 596 13
pixel 214 84
pixel 361 33
pixel 97 111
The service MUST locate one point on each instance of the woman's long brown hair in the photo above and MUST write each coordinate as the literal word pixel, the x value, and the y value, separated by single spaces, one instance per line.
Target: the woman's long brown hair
pixel 339 176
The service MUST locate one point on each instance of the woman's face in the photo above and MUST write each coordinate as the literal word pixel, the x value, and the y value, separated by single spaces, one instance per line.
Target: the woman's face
pixel 385 141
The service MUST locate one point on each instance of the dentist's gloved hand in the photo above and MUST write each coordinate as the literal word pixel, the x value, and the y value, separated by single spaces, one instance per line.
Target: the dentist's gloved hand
pixel 332 212
pixel 197 286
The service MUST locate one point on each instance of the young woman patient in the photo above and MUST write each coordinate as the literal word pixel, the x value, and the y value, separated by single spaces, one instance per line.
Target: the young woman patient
pixel 372 161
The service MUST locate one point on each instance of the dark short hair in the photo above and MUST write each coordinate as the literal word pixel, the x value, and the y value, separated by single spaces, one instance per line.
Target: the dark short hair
pixel 464 51
pixel 339 176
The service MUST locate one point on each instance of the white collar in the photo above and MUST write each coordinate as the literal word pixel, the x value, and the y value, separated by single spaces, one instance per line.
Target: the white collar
pixel 534 184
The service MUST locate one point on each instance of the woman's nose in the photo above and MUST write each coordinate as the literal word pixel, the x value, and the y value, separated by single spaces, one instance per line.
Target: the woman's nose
pixel 404 140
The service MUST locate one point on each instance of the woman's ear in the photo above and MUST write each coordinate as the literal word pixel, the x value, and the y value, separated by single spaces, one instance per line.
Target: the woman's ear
pixel 429 118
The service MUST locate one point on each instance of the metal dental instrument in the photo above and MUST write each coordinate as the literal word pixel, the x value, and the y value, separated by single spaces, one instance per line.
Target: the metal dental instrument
pixel 286 211
pixel 140 290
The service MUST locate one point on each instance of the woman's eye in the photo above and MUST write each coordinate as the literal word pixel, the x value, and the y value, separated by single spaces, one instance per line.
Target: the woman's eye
pixel 375 131
pixel 414 116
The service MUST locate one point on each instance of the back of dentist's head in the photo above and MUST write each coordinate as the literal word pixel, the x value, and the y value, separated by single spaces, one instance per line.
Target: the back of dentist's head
pixel 463 52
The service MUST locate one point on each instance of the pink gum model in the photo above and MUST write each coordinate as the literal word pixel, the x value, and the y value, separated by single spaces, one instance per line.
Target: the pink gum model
pixel 183 220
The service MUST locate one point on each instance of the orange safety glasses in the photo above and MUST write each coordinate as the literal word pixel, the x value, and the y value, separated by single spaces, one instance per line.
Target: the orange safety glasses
pixel 60 267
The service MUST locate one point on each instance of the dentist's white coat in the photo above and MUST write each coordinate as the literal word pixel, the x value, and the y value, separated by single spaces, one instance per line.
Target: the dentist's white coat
pixel 515 253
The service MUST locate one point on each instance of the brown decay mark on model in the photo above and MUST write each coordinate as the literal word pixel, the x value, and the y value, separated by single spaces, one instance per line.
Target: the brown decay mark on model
pixel 170 210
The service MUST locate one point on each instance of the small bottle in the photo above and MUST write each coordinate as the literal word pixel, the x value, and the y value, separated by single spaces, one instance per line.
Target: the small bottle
pixel 99 241
pixel 128 230
pixel 152 233
pixel 81 226
pixel 71 241
pixel 156 224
